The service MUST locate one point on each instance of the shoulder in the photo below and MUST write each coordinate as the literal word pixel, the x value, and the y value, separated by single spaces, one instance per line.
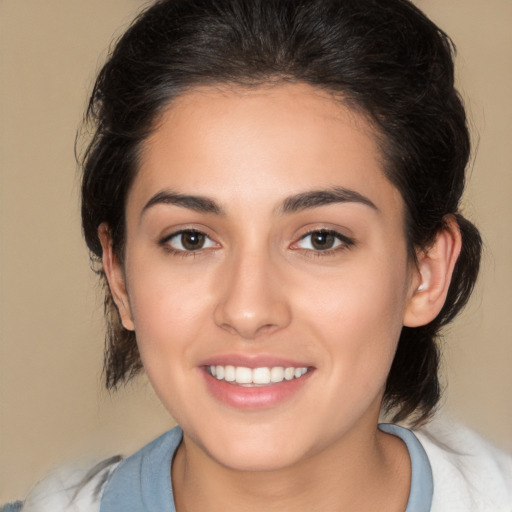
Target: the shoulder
pixel 470 474
pixel 144 477
pixel 115 483
pixel 69 489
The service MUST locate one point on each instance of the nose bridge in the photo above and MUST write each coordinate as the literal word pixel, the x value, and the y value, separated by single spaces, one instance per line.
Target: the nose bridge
pixel 251 301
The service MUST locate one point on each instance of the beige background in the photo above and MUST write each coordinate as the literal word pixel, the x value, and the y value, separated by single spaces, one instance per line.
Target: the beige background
pixel 53 408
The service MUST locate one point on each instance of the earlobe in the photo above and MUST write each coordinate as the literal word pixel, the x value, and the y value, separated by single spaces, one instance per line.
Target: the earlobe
pixel 115 277
pixel 434 272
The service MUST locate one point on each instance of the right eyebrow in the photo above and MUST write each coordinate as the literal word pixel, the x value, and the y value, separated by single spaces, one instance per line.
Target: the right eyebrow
pixel 316 198
pixel 197 203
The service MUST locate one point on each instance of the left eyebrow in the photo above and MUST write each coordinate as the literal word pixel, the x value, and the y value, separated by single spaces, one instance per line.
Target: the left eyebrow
pixel 197 203
pixel 316 198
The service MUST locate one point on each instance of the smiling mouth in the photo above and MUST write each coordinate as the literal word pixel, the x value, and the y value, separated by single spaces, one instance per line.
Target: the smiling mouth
pixel 252 377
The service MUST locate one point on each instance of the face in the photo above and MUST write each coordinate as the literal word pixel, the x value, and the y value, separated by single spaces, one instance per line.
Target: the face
pixel 266 272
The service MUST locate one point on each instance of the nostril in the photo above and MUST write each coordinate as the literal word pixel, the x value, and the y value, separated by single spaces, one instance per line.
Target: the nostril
pixel 251 324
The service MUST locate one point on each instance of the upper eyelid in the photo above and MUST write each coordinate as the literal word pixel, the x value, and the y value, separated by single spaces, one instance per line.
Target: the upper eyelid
pixel 341 236
pixel 345 243
pixel 185 230
pixel 179 231
pixel 323 230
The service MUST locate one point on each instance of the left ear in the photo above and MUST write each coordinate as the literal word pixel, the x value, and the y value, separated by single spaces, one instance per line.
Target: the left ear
pixel 433 276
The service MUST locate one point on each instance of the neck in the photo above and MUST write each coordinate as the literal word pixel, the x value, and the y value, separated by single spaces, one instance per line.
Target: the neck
pixel 363 471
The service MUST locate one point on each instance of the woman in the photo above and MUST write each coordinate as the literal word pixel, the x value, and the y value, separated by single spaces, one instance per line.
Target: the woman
pixel 272 194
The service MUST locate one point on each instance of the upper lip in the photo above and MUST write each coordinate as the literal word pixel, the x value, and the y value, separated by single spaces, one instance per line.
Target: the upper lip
pixel 252 361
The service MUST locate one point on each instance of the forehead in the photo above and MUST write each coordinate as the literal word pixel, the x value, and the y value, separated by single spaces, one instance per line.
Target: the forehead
pixel 261 142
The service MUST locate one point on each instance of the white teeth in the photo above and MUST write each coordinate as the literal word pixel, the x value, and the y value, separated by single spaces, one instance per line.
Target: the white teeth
pixel 276 374
pixel 229 373
pixel 258 376
pixel 243 375
pixel 289 373
pixel 261 376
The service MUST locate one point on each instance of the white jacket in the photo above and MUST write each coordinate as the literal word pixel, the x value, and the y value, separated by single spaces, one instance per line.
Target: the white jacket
pixel 470 475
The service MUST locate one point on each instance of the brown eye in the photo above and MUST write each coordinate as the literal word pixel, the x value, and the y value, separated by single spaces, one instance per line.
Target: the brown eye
pixel 192 240
pixel 189 240
pixel 322 240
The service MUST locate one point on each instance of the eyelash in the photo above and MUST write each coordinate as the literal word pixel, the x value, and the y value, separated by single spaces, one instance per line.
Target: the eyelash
pixel 344 243
pixel 165 243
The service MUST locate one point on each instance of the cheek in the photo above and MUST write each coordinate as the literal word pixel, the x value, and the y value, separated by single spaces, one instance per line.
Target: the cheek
pixel 170 313
pixel 359 315
pixel 169 309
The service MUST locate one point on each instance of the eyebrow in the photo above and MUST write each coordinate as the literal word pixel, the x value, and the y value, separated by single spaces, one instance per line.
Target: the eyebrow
pixel 295 203
pixel 197 203
pixel 316 198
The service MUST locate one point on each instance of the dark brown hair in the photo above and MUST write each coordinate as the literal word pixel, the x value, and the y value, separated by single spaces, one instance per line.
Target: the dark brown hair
pixel 384 58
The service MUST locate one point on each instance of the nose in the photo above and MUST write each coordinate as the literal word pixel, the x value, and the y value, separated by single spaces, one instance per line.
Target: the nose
pixel 252 301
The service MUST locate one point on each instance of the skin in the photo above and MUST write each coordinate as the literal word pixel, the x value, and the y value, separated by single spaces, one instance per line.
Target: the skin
pixel 259 288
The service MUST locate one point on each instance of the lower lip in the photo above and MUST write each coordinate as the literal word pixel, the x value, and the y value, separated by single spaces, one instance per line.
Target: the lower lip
pixel 254 398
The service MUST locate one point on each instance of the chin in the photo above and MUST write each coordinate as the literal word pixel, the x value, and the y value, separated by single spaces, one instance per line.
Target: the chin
pixel 257 458
pixel 255 447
